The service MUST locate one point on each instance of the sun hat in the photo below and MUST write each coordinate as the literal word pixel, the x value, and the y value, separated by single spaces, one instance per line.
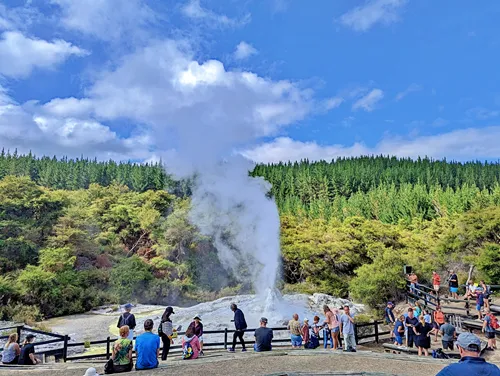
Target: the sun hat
pixel 91 372
pixel 197 317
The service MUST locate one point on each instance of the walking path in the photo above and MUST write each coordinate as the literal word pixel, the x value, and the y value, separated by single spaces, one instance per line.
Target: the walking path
pixel 281 362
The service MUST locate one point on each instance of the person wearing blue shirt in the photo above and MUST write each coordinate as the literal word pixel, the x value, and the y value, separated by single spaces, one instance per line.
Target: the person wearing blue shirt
pixel 470 363
pixel 347 329
pixel 147 348
pixel 399 331
pixel 240 325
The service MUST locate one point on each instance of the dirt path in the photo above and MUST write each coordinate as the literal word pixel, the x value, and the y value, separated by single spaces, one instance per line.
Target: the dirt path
pixel 277 362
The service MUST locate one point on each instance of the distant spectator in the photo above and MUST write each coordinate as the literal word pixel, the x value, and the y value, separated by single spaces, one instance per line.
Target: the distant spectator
pixel 190 345
pixel 436 281
pixel 427 316
pixel 448 333
pixel 479 302
pixel 470 364
pixel 128 319
pixel 197 327
pixel 347 327
pixel 438 321
pixel 389 316
pixel 122 352
pixel 470 289
pixel 240 324
pixel 332 325
pixel 453 284
pixel 263 337
pixel 27 355
pixel 410 322
pixel 486 294
pixel 147 348
pixel 423 330
pixel 399 331
pixel 11 350
pixel 295 333
pixel 412 277
pixel 305 331
pixel 490 324
pixel 316 326
pixel 166 332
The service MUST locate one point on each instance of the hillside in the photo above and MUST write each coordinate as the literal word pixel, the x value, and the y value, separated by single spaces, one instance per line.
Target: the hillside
pixel 75 234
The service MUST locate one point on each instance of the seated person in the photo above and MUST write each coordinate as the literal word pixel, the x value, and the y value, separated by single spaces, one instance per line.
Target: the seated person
pixel 122 352
pixel 147 348
pixel 27 355
pixel 11 350
pixel 190 344
pixel 263 337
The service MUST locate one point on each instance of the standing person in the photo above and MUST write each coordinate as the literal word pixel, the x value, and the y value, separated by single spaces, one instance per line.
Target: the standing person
pixel 436 281
pixel 240 325
pixel 304 331
pixel 147 348
pixel 295 333
pixel 263 337
pixel 389 317
pixel 11 350
pixel 453 284
pixel 410 322
pixel 197 327
pixel 27 355
pixel 399 331
pixel 470 363
pixel 166 332
pixel 412 277
pixel 332 325
pixel 122 352
pixel 427 316
pixel 438 320
pixel 347 328
pixel 127 318
pixel 486 294
pixel 479 302
pixel 422 331
pixel 448 333
pixel 190 345
pixel 490 325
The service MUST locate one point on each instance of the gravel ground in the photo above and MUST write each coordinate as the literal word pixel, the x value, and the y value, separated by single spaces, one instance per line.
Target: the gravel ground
pixel 281 362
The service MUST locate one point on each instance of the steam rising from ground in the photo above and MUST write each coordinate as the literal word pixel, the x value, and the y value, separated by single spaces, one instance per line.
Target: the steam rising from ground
pixel 233 208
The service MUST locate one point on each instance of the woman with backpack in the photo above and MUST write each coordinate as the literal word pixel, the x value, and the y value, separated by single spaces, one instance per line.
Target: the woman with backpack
pixel 190 345
pixel 490 325
pixel 128 319
pixel 166 332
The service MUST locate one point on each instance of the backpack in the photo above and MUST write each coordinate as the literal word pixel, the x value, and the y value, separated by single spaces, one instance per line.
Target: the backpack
pixel 125 320
pixel 439 354
pixel 494 321
pixel 187 350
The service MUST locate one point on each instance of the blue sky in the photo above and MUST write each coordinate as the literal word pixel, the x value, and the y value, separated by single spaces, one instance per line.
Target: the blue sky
pixel 273 80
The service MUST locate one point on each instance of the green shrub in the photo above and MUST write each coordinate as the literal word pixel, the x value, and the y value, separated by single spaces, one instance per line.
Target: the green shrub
pixel 28 314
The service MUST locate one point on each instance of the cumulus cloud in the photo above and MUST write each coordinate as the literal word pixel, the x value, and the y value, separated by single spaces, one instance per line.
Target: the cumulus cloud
pixel 331 103
pixel 462 144
pixel 244 50
pixel 19 55
pixel 410 89
pixel 372 12
pixel 27 127
pixel 368 101
pixel 109 20
pixel 193 10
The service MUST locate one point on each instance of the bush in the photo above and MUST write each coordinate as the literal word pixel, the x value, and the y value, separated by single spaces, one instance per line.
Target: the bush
pixel 28 314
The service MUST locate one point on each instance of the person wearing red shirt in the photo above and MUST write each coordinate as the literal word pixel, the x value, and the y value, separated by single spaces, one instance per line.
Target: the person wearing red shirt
pixel 436 281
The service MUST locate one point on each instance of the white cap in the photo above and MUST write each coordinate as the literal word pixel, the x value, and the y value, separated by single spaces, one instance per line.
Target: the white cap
pixel 91 372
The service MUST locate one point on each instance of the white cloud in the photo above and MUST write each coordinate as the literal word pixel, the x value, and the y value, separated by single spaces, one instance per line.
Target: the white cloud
pixel 440 122
pixel 19 55
pixel 109 20
pixel 369 101
pixel 244 50
pixel 193 9
pixel 482 113
pixel 410 89
pixel 28 128
pixel 331 103
pixel 463 144
pixel 363 17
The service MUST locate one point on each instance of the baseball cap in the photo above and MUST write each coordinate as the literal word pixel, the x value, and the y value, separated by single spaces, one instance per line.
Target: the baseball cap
pixel 469 342
pixel 263 319
pixel 128 305
pixel 30 336
pixel 170 309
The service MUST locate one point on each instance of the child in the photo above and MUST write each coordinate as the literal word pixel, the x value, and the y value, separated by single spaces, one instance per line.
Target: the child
pixel 427 316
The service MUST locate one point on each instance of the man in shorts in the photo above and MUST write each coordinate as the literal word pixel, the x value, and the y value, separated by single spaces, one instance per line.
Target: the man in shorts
pixel 489 331
pixel 448 333
pixel 453 284
pixel 436 281
pixel 295 333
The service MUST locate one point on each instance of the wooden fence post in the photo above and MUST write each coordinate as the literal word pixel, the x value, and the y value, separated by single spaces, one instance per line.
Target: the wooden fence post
pixel 19 330
pixel 108 355
pixel 356 333
pixel 65 349
pixel 376 331
pixel 225 338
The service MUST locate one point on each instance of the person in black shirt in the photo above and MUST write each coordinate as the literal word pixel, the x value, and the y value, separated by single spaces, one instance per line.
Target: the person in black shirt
pixel 128 319
pixel 422 331
pixel 453 283
pixel 263 337
pixel 27 356
pixel 410 322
